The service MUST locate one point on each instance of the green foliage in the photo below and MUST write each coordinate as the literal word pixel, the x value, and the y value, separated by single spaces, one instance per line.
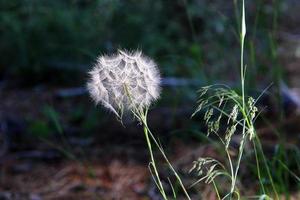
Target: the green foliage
pixel 53 117
pixel 39 128
pixel 47 125
pixel 41 38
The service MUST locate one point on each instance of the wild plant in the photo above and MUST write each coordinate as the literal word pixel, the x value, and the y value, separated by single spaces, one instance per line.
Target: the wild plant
pixel 129 83
pixel 228 113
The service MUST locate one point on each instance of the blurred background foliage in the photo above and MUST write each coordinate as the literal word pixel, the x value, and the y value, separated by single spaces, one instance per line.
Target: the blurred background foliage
pixel 51 44
pixel 49 41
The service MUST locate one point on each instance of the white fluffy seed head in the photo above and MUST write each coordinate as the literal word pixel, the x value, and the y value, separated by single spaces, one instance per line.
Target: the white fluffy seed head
pixel 124 81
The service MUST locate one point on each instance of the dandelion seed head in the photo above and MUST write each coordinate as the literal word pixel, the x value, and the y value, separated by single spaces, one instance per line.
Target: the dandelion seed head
pixel 124 81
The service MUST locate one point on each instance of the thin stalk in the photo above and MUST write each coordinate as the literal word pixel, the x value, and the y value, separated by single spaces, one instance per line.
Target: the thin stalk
pixel 266 166
pixel 242 77
pixel 241 150
pixel 243 34
pixel 165 157
pixel 258 169
pixel 231 168
pixel 160 186
pixel 141 114
pixel 216 189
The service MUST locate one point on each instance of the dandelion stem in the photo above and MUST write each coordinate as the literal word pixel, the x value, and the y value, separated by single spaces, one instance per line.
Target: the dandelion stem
pixel 149 133
pixel 159 184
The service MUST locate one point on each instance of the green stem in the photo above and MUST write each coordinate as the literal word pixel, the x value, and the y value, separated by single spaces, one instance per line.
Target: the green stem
pixel 165 157
pixel 266 166
pixel 241 150
pixel 231 167
pixel 258 169
pixel 243 34
pixel 242 70
pixel 160 186
pixel 216 189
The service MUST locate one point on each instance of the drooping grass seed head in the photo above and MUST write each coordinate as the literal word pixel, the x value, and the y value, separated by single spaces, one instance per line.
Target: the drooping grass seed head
pixel 124 82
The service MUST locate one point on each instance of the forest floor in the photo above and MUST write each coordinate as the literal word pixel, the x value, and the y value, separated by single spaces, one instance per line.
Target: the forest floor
pixel 112 164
